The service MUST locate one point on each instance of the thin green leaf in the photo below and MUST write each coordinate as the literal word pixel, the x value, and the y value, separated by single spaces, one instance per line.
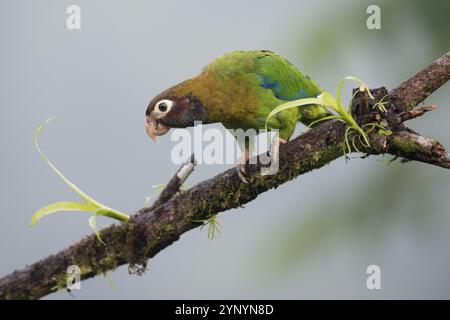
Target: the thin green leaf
pixel 93 225
pixel 60 206
pixel 361 83
pixel 213 227
pixel 354 144
pixel 381 103
pixel 339 89
pixel 326 99
pixel 111 213
pixel 93 204
pixel 109 280
pixel 349 108
pixel 333 117
pixel 63 178
pixel 290 105
pixel 346 139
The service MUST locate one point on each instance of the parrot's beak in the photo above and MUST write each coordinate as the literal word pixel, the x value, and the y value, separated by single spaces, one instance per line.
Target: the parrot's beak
pixel 154 128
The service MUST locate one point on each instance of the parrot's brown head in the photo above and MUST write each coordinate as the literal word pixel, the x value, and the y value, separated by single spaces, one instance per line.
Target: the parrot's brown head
pixel 173 109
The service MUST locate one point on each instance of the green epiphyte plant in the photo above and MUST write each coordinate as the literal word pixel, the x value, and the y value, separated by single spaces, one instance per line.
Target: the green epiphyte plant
pixel 87 205
pixel 336 107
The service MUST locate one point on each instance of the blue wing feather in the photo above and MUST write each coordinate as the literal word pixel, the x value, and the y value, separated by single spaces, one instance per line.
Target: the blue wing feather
pixel 279 91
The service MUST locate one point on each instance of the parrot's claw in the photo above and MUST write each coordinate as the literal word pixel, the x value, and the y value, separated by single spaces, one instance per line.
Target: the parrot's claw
pixel 273 145
pixel 241 169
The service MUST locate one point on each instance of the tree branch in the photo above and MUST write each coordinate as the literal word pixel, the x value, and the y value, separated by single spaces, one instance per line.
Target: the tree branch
pixel 153 229
pixel 177 181
pixel 412 146
pixel 408 115
pixel 417 88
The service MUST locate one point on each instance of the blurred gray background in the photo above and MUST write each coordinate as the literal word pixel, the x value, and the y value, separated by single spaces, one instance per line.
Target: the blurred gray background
pixel 311 238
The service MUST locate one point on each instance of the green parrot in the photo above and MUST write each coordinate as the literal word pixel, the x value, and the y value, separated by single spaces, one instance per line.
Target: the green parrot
pixel 239 90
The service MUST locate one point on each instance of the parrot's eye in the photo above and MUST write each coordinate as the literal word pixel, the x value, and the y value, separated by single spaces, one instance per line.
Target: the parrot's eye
pixel 163 106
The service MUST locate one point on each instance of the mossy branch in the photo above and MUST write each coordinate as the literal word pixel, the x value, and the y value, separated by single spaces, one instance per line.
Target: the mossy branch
pixel 152 229
pixel 417 88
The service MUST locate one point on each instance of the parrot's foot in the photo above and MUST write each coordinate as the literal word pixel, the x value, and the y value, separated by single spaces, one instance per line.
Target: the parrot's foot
pixel 274 155
pixel 241 167
pixel 275 144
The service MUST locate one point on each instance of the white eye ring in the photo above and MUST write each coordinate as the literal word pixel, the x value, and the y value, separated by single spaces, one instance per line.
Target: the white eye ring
pixel 163 106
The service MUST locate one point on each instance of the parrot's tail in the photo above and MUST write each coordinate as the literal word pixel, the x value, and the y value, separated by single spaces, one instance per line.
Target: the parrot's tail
pixel 311 113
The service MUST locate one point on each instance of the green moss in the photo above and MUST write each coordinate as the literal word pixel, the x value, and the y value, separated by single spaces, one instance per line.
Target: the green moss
pixel 406 145
pixel 168 227
pixel 107 263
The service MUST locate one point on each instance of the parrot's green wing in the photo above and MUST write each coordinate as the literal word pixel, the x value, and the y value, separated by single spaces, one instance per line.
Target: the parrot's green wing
pixel 248 85
pixel 286 83
pixel 284 79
